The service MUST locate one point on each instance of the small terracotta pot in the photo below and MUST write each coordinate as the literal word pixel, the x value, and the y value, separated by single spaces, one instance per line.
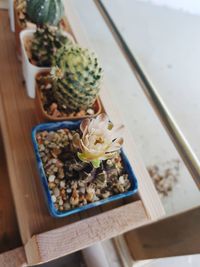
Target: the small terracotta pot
pixel 46 117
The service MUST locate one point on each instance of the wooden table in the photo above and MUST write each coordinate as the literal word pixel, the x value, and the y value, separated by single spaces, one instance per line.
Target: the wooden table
pixel 44 237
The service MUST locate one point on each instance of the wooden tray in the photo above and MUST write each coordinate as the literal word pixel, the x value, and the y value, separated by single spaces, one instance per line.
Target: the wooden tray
pixel 44 237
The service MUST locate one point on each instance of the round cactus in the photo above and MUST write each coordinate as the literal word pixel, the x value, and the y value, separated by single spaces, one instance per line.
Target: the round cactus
pixel 47 40
pixel 77 75
pixel 43 12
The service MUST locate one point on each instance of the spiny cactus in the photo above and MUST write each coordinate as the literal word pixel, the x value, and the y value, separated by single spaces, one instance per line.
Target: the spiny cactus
pixel 77 77
pixel 46 41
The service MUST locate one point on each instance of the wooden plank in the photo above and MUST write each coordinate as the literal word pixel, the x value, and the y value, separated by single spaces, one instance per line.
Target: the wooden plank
pixel 9 232
pixel 13 258
pixel 147 190
pixel 173 236
pixel 82 234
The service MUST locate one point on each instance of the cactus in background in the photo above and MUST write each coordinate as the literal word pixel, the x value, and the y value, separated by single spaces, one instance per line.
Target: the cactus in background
pixel 77 77
pixel 43 12
pixel 47 40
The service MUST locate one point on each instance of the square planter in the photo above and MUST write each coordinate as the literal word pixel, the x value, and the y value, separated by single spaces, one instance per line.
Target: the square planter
pixel 97 106
pixel 73 126
pixel 30 70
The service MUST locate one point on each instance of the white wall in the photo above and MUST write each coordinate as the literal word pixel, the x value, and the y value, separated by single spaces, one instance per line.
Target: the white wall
pixel 191 6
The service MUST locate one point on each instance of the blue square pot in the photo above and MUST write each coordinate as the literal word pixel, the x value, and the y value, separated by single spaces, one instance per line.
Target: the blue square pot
pixel 73 126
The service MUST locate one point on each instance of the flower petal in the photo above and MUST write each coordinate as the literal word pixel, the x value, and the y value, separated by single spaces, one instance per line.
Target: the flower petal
pixel 76 140
pixel 116 145
pixel 84 125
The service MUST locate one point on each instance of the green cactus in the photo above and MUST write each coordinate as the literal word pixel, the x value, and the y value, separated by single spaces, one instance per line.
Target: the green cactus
pixel 77 75
pixel 43 12
pixel 46 41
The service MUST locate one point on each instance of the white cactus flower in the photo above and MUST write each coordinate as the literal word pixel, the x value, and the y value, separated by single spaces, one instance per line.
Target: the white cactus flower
pixel 99 141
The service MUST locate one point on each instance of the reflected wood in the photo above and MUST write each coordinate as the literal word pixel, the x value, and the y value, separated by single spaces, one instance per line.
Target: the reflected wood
pixel 9 232
pixel 173 236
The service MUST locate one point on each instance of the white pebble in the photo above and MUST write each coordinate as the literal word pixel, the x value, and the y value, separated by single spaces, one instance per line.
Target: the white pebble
pixel 48 86
pixel 61 202
pixel 54 161
pixel 56 192
pixel 62 184
pixel 90 111
pixel 52 178
pixel 121 179
pixel 67 206
pixel 53 198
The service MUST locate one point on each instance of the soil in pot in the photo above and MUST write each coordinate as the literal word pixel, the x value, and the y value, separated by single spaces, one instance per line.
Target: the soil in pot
pixel 50 108
pixel 72 182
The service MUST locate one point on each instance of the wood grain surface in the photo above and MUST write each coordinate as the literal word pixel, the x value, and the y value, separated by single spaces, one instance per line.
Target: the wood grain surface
pixel 79 235
pixel 13 258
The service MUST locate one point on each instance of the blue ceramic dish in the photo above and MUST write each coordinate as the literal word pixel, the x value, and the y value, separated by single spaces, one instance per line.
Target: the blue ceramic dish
pixel 72 126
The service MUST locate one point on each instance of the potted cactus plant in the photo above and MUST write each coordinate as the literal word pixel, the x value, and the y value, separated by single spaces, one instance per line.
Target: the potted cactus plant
pixel 70 90
pixel 81 164
pixel 40 45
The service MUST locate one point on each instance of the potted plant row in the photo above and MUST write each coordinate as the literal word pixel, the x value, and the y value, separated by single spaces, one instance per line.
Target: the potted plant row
pixel 40 45
pixel 80 159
